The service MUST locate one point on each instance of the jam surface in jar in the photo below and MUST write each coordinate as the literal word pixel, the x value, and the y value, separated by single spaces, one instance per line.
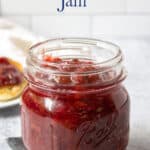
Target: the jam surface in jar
pixel 79 111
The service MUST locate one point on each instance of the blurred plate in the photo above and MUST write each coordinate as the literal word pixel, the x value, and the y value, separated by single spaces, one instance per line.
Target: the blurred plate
pixel 10 103
pixel 15 41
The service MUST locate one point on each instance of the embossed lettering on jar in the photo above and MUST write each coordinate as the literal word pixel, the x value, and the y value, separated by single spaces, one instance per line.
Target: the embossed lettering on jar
pixel 75 99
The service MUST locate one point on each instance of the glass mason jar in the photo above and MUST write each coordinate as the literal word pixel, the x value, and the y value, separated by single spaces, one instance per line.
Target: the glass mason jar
pixel 75 99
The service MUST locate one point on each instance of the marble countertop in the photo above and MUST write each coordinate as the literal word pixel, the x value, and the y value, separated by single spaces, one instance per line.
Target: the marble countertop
pixel 137 60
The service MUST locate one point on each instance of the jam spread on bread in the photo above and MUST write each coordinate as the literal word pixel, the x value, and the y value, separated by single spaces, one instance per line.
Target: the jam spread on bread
pixel 9 74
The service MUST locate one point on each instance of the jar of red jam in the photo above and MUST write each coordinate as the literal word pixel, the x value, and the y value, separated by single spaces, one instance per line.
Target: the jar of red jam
pixel 75 99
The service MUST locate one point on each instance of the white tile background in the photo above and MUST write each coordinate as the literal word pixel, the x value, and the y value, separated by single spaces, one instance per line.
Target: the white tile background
pixel 101 18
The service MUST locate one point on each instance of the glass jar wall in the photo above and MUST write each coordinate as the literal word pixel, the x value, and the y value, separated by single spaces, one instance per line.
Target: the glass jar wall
pixel 75 99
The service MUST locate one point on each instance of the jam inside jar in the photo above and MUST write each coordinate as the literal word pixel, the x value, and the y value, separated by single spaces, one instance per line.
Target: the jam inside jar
pixel 75 99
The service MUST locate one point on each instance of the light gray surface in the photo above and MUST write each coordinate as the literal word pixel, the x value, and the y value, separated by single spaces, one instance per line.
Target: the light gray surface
pixel 137 58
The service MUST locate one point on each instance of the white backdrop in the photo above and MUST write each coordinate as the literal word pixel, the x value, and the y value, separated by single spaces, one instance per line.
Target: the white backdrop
pixel 101 18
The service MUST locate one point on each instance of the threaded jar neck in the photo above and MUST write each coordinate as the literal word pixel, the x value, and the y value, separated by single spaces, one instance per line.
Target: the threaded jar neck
pixel 81 58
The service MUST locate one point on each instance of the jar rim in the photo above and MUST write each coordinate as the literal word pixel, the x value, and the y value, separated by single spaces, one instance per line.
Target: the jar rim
pixel 113 61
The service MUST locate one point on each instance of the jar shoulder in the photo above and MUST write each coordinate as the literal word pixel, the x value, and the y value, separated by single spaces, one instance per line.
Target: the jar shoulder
pixel 116 97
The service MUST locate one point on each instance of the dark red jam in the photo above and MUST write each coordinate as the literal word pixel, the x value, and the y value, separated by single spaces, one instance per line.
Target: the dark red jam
pixel 9 74
pixel 78 112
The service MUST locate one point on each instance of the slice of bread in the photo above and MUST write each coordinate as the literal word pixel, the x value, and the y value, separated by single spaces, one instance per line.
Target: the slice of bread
pixel 11 92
